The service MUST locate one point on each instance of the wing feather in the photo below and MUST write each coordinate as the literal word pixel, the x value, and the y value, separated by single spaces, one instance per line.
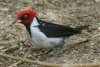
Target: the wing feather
pixel 55 30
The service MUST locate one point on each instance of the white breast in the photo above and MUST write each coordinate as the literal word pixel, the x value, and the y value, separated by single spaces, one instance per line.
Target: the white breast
pixel 40 39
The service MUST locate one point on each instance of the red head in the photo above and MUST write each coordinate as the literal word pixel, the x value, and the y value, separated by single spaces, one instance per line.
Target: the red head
pixel 26 16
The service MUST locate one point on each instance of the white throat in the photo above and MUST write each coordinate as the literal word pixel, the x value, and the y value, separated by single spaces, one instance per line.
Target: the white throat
pixel 34 22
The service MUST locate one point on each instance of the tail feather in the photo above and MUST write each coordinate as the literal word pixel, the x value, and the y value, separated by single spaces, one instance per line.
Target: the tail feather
pixel 82 27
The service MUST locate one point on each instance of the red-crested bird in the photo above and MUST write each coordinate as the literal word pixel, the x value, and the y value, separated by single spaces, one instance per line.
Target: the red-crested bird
pixel 45 34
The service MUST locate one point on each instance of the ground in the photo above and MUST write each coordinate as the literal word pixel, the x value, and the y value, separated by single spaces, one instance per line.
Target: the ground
pixel 14 41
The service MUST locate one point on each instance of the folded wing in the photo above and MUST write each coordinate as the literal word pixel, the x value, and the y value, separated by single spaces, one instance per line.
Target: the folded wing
pixel 55 30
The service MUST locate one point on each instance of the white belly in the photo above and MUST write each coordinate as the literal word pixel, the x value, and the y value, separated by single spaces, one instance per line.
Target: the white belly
pixel 43 41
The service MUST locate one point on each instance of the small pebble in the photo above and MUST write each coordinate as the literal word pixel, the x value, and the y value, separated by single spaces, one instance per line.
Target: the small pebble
pixel 97 0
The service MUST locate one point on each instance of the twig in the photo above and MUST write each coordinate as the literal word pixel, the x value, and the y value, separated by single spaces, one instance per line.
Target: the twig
pixel 5 42
pixel 85 40
pixel 51 64
pixel 19 62
pixel 75 44
pixel 96 36
pixel 12 48
pixel 15 64
pixel 31 61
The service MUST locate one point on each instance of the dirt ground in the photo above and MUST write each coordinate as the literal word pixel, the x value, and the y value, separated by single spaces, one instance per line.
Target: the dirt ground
pixel 14 41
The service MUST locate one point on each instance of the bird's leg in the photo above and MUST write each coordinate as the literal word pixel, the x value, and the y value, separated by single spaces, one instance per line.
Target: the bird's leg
pixel 44 54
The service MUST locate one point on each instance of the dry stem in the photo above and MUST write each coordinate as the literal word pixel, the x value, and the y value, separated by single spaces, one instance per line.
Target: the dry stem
pixel 51 64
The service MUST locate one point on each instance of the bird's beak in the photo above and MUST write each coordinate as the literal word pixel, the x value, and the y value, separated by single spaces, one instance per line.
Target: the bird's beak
pixel 15 20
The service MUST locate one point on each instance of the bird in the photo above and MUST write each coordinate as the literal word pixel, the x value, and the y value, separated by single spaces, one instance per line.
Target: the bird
pixel 46 34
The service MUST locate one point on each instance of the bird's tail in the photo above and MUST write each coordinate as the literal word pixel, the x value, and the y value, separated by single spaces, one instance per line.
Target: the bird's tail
pixel 82 27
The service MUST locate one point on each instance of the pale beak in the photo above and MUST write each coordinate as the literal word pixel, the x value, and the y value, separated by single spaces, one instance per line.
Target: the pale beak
pixel 15 20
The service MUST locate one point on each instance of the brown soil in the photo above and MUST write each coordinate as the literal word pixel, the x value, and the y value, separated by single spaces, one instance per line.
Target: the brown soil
pixel 14 41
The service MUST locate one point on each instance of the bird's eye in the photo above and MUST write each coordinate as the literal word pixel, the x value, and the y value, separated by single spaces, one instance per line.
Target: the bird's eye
pixel 25 16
